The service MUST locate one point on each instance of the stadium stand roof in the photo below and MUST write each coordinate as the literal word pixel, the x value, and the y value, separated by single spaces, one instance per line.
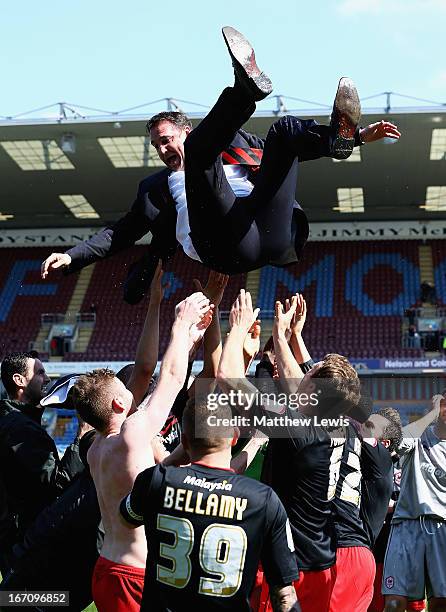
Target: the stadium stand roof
pixel 76 171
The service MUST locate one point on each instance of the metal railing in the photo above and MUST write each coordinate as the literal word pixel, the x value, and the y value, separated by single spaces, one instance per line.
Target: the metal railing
pixel 49 318
pixel 86 317
pixel 66 112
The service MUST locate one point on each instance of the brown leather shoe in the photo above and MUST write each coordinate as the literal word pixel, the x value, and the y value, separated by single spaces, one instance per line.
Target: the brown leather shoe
pixel 247 74
pixel 344 119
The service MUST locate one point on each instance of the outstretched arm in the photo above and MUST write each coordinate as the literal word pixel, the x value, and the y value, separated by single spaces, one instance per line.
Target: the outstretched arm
pixel 148 346
pixel 297 343
pixel 416 428
pixel 241 319
pixel 245 457
pixel 192 317
pixel 379 130
pixel 122 235
pixel 231 369
pixel 212 346
pixel 287 365
pixel 251 345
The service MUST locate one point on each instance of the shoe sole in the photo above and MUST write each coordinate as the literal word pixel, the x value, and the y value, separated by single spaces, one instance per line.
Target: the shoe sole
pixel 243 56
pixel 348 107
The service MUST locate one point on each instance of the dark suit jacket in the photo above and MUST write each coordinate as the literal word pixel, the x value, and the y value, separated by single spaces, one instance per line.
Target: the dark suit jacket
pixel 154 211
pixel 31 473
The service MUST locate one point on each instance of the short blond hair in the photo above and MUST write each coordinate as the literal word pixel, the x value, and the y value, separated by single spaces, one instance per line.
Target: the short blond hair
pixel 92 397
pixel 200 434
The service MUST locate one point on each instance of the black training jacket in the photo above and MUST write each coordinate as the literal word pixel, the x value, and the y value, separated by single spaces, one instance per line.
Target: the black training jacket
pixel 31 473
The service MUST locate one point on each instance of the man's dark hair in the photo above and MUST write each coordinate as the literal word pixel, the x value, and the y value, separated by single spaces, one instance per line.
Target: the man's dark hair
pixel 15 363
pixel 176 117
pixel 337 384
pixel 392 431
pixel 202 435
pixel 92 397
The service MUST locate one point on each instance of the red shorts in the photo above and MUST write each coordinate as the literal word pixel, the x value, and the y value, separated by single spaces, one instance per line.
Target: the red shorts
pixel 117 588
pixel 377 604
pixel 313 591
pixel 353 589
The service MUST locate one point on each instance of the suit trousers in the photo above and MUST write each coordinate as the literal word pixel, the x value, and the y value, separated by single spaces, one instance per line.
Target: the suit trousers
pixel 238 234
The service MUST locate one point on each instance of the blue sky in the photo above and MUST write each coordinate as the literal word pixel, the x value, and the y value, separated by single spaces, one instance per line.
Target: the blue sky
pixel 114 55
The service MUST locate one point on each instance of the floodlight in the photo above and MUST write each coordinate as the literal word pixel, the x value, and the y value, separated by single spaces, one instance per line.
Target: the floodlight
pixel 68 143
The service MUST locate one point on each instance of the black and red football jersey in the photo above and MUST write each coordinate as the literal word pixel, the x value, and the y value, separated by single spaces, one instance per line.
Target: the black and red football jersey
pixel 350 530
pixel 207 529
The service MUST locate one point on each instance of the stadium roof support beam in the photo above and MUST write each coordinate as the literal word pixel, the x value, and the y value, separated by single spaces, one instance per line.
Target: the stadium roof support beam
pixel 66 112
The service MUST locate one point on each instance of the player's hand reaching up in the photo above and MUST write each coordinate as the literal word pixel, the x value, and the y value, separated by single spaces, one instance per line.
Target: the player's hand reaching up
pixel 157 288
pixel 251 345
pixel 242 314
pixel 192 309
pixel 54 261
pixel 379 130
pixel 283 316
pixel 438 402
pixel 197 331
pixel 215 286
pixel 300 314
pixel 197 312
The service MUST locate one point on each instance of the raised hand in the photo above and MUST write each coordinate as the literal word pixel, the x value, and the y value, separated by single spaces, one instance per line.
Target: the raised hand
pixel 157 288
pixel 379 130
pixel 251 346
pixel 242 314
pixel 437 403
pixel 54 261
pixel 198 330
pixel 283 317
pixel 192 309
pixel 215 286
pixel 300 315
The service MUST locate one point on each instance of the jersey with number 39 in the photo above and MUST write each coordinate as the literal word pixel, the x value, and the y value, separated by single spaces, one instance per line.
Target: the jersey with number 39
pixel 207 529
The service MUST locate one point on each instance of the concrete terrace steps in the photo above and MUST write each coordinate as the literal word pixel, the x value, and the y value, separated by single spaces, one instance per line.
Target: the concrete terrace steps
pixel 79 292
pixel 426 264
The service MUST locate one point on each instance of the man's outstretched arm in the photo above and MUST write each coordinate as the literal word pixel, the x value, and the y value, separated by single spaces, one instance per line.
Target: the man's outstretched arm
pixel 231 369
pixel 378 131
pixel 192 317
pixel 289 369
pixel 300 351
pixel 212 346
pixel 416 428
pixel 241 461
pixel 148 345
pixel 122 235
